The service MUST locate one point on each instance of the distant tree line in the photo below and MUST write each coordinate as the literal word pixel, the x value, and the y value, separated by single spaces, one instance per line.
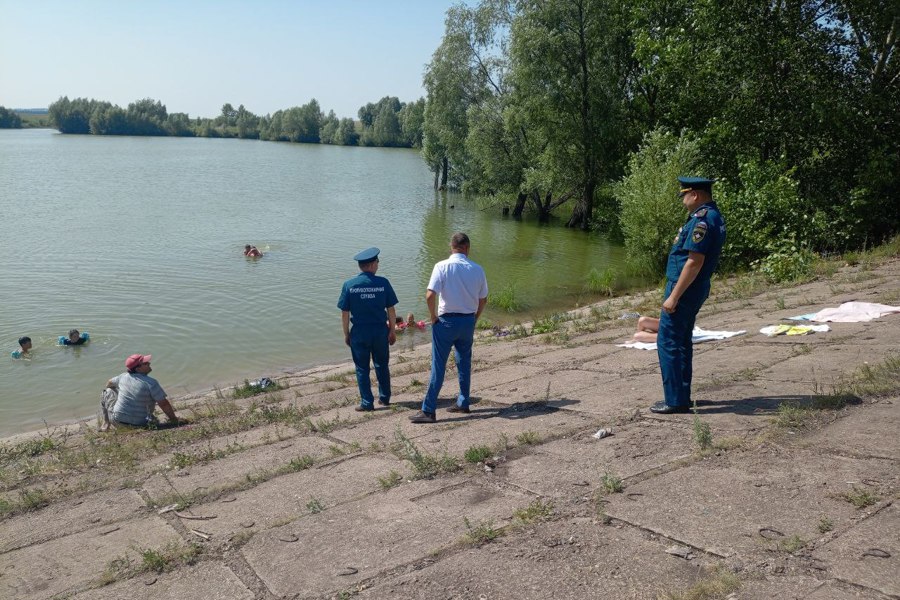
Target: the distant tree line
pixel 9 119
pixel 388 122
pixel 592 107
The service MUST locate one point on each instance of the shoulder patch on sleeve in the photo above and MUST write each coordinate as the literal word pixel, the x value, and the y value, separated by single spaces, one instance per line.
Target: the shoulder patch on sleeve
pixel 699 232
pixel 701 213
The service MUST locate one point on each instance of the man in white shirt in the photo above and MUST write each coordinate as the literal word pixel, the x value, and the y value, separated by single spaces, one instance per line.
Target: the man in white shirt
pixel 462 287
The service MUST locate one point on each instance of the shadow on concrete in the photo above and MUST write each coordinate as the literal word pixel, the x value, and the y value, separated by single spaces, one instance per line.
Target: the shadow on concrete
pixel 769 405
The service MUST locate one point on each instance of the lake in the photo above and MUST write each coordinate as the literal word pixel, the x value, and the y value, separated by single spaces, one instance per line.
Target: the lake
pixel 138 241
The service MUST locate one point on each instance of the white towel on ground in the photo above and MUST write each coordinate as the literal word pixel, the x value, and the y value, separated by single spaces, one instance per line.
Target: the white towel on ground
pixel 854 312
pixel 697 336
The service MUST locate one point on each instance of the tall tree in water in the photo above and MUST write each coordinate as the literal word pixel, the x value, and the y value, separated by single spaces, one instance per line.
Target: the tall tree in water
pixel 457 78
pixel 566 69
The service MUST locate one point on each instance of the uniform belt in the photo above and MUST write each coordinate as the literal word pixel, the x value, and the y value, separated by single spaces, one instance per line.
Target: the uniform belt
pixel 458 315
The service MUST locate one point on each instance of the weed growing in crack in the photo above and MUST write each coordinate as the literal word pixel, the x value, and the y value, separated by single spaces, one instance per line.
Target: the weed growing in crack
pixel 792 416
pixel 528 438
pixel 536 511
pixel 477 454
pixel 314 506
pixel 612 484
pixel 825 524
pixel 717 584
pixel 792 544
pixel 425 465
pixel 702 433
pixel 860 498
pixel 152 561
pixel 481 533
pixel 301 463
pixel 390 480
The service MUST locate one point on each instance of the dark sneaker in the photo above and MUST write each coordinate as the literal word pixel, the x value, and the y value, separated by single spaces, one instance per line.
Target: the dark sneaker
pixel 384 402
pixel 459 409
pixel 423 417
pixel 364 408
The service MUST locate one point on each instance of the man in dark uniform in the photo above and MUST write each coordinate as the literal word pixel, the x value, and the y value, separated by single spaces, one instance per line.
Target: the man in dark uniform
pixel 692 261
pixel 368 301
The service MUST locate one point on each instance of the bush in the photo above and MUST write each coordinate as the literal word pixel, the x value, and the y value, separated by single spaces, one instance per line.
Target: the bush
pixel 768 225
pixel 786 261
pixel 648 194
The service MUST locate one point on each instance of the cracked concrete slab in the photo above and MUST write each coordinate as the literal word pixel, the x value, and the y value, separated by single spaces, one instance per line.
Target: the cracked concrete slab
pixel 726 362
pixel 287 497
pixel 544 386
pixel 572 468
pixel 205 581
pixel 563 358
pixel 45 570
pixel 78 514
pixel 869 430
pixel 721 504
pixel 495 427
pixel 361 539
pixel 572 559
pixel 865 556
pixel 614 395
pixel 235 468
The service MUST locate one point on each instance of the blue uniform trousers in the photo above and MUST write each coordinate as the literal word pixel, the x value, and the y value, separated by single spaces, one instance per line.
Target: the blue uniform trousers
pixel 674 345
pixel 457 332
pixel 370 342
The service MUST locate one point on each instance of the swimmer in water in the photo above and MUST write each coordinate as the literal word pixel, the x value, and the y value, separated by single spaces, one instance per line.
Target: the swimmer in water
pixel 24 349
pixel 252 251
pixel 75 338
pixel 411 321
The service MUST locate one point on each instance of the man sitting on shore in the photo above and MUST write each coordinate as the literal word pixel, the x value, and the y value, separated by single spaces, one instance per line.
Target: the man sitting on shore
pixel 138 395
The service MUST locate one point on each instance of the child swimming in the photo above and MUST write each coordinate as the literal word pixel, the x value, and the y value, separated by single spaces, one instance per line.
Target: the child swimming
pixel 75 338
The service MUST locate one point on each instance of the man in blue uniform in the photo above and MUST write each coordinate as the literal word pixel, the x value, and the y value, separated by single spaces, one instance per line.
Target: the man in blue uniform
pixel 368 301
pixel 692 261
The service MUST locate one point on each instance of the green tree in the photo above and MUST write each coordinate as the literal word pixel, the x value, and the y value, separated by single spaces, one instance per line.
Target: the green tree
pixel 412 118
pixel 9 119
pixel 566 55
pixel 71 116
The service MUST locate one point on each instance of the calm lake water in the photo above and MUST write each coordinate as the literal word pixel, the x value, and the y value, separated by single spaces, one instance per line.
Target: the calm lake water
pixel 138 241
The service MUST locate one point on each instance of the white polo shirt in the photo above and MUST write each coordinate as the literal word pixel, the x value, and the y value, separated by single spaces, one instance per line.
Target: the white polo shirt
pixel 460 282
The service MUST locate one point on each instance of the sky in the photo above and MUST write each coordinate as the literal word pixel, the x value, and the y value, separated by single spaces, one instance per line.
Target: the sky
pixel 196 55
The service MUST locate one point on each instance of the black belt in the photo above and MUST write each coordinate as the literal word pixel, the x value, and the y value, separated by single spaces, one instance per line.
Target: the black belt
pixel 458 315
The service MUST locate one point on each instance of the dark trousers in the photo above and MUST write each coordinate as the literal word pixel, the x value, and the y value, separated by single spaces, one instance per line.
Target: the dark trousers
pixel 674 345
pixel 370 343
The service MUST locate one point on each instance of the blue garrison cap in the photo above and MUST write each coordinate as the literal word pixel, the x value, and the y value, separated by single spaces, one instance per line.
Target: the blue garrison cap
pixel 689 184
pixel 367 255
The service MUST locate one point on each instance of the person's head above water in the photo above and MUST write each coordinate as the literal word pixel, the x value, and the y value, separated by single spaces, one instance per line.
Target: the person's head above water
pixel 74 335
pixel 25 343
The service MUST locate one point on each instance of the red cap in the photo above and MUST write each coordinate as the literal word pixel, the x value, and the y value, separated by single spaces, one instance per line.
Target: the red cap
pixel 136 360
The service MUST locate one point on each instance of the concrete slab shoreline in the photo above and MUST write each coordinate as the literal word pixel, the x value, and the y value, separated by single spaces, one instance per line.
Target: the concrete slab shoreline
pixel 291 494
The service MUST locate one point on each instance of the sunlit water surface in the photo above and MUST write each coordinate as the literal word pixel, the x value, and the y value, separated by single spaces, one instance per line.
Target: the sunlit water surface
pixel 138 241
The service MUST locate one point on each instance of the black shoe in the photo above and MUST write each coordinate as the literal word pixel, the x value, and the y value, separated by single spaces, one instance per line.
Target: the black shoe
pixel 459 409
pixel 423 417
pixel 384 402
pixel 361 408
pixel 661 408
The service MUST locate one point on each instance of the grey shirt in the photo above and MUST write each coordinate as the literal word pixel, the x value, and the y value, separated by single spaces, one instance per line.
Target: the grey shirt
pixel 138 396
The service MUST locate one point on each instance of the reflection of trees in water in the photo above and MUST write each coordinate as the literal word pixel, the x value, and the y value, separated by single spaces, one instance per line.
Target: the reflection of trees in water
pixel 547 264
